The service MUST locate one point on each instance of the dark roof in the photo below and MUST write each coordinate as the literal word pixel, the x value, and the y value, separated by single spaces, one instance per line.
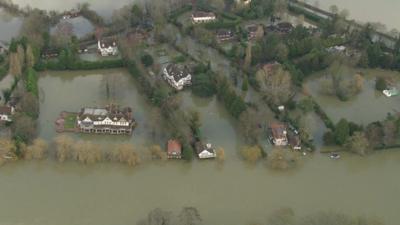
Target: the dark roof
pixel 178 72
pixel 112 112
pixel 108 42
pixel 5 110
pixel 285 26
pixel 294 140
pixel 200 147
pixel 278 130
pixel 224 33
pixel 199 14
pixel 252 28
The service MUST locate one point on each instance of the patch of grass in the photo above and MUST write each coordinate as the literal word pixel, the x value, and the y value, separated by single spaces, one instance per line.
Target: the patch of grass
pixel 70 121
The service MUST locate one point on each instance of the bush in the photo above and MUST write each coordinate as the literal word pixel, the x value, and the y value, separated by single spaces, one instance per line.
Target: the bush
pixel 147 60
pixel 31 82
pixel 203 85
pixel 187 153
pixel 380 84
pixel 342 132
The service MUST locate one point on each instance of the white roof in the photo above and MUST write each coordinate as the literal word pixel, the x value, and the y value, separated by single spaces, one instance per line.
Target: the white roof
pixel 94 111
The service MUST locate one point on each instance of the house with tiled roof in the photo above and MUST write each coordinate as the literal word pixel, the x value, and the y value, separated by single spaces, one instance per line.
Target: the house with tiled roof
pixel 278 134
pixel 174 149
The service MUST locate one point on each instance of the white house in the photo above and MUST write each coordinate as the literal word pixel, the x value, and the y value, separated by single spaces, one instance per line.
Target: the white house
pixel 203 17
pixel 205 151
pixel 177 76
pixel 278 134
pixel 109 120
pixel 6 112
pixel 107 47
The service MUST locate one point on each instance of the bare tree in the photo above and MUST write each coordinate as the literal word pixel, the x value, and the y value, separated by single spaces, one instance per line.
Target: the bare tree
pixel 251 153
pixel 64 145
pixel 189 216
pixel 86 152
pixel 276 87
pixel 37 150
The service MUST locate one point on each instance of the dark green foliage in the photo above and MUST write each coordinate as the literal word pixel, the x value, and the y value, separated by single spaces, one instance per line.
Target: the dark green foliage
pixel 380 84
pixel 147 60
pixel 329 138
pixel 187 152
pixel 320 112
pixel 203 85
pixel 31 82
pixel 258 9
pixel 342 132
pixel 221 24
pixel 179 59
pixel 154 94
pixel 3 71
pixel 233 102
pixel 245 84
pixel 353 127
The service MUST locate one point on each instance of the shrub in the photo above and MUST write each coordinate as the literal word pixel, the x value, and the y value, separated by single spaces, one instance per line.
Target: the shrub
pixel 147 60
pixel 203 85
pixel 380 84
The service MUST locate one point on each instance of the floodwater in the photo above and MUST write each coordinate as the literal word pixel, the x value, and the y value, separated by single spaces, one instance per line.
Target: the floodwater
pixel 104 8
pixel 383 11
pixel 9 26
pixel 48 193
pixel 80 26
pixel 366 107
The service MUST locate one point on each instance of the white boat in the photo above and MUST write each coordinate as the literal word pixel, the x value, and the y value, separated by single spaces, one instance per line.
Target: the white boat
pixel 334 156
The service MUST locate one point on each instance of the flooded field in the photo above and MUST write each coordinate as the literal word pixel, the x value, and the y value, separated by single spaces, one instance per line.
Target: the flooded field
pixel 368 106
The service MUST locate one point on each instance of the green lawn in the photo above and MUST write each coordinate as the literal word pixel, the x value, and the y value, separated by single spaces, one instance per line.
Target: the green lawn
pixel 70 121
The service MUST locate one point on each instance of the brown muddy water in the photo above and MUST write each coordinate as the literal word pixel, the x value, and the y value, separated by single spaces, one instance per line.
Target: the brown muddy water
pixel 48 193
